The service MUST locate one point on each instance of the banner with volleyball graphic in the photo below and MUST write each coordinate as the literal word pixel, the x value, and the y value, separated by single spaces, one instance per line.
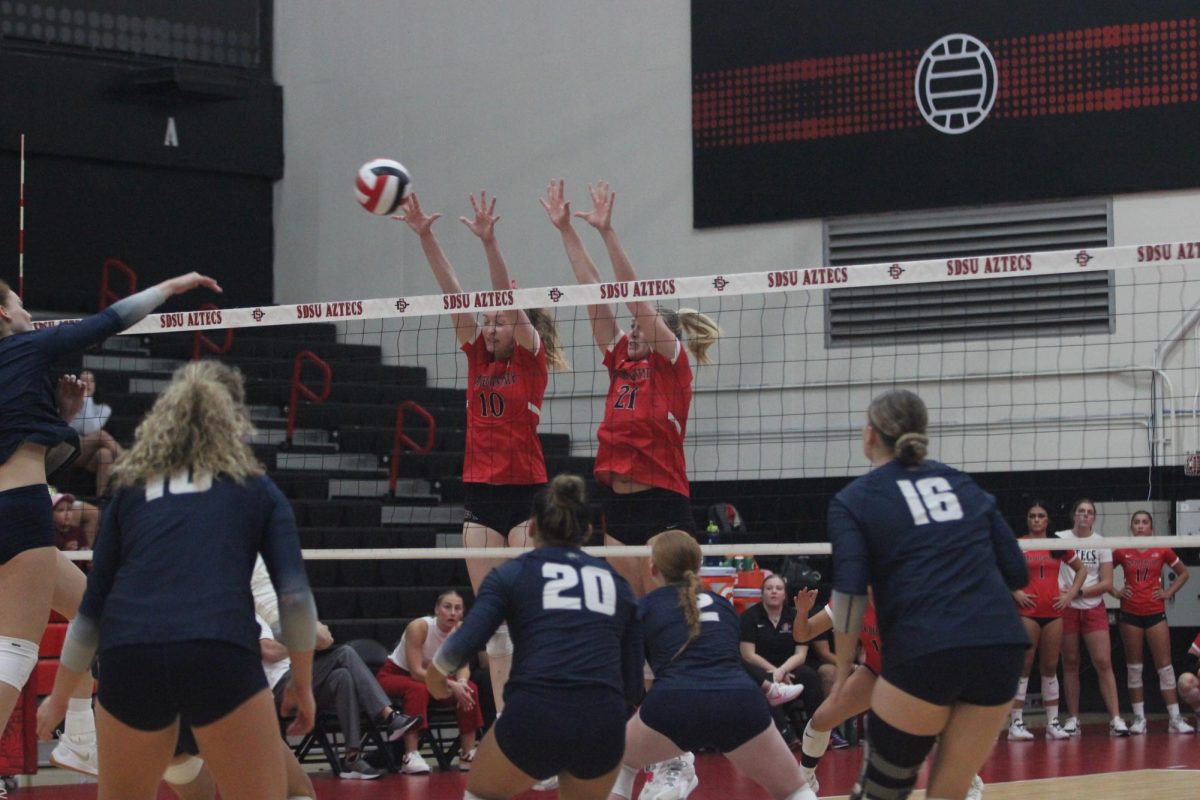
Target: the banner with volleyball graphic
pixel 822 107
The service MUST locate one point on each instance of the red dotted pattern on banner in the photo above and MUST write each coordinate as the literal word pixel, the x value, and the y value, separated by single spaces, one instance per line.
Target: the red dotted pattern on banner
pixel 1109 68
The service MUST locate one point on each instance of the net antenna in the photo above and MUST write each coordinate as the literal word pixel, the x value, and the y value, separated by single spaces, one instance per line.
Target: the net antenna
pixel 21 228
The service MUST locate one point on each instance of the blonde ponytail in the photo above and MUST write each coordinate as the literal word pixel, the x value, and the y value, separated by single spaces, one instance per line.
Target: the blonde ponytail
pixel 698 331
pixel 543 322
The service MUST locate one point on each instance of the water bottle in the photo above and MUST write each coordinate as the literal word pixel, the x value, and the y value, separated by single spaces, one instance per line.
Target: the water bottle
pixel 712 536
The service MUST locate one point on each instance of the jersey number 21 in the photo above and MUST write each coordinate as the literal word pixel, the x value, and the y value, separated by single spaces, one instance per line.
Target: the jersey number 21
pixel 931 497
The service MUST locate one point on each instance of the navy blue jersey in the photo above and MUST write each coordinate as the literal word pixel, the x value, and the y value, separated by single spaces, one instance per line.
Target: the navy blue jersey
pixel 712 661
pixel 572 619
pixel 28 408
pixel 173 562
pixel 940 557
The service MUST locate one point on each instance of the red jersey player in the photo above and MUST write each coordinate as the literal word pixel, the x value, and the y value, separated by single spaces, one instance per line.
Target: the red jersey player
pixel 640 459
pixel 1041 605
pixel 507 358
pixel 1144 618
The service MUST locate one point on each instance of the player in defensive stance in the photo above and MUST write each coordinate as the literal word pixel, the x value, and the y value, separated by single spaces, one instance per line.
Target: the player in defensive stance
pixel 578 648
pixel 507 361
pixel 1144 619
pixel 855 697
pixel 941 561
pixel 702 696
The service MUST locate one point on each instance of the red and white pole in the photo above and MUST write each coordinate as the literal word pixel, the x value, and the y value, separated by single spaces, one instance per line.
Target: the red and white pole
pixel 21 229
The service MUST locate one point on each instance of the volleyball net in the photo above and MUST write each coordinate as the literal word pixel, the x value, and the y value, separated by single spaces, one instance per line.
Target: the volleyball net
pixel 1052 375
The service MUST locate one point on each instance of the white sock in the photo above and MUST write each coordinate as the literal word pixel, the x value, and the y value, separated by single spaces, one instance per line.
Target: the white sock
pixel 80 719
pixel 1139 709
pixel 1051 711
pixel 1173 710
pixel 1018 715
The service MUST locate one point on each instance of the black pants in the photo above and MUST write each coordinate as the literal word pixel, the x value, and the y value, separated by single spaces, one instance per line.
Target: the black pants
pixel 810 701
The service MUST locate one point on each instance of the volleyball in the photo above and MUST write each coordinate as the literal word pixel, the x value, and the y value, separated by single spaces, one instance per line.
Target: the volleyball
pixel 382 186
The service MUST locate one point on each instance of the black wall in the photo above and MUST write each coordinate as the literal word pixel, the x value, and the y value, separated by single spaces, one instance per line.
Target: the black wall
pixel 102 181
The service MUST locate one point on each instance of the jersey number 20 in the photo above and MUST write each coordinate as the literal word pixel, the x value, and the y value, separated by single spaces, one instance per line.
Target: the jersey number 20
pixel 599 589
pixel 931 497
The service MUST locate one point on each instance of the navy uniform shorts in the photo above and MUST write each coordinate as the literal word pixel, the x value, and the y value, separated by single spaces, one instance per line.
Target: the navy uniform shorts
pixel 28 520
pixel 542 740
pixel 696 719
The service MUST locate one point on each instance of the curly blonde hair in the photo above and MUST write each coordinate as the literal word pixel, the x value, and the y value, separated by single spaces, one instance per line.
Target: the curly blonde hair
pixel 199 422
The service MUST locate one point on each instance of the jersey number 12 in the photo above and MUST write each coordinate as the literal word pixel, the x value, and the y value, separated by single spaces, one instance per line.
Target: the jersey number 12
pixel 931 497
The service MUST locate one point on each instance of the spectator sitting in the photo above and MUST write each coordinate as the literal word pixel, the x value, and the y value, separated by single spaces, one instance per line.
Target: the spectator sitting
pixel 98 450
pixel 403 675
pixel 343 685
pixel 770 655
pixel 68 533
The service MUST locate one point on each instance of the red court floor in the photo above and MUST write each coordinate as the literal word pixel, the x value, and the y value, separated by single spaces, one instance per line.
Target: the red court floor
pixel 1093 753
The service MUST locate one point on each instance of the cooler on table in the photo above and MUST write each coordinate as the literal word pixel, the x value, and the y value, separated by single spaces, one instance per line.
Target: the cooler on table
pixel 719 580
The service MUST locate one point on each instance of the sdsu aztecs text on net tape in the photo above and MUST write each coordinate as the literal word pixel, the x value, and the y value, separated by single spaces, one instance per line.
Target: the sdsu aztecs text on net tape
pixel 382 186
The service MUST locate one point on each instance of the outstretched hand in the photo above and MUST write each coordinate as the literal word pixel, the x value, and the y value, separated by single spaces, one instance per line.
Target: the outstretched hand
pixel 484 224
pixel 185 283
pixel 415 218
pixel 600 217
pixel 558 208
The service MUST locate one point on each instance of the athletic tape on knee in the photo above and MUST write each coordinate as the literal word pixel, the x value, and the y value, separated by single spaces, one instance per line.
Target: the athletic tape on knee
pixel 1166 677
pixel 18 657
pixel 1022 688
pixel 500 645
pixel 624 783
pixel 1050 689
pixel 180 774
pixel 1135 675
pixel 893 760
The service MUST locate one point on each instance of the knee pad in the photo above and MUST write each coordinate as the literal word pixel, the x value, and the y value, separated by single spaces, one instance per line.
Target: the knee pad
pixel 1189 689
pixel 180 774
pixel 623 787
pixel 500 645
pixel 18 657
pixel 1135 675
pixel 1022 688
pixel 1166 677
pixel 892 762
pixel 1050 689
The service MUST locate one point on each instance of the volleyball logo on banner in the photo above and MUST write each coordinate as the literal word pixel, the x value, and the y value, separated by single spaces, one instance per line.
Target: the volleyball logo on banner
pixel 956 83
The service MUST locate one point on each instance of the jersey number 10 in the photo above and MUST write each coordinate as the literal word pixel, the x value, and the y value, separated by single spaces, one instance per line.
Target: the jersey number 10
pixel 931 497
pixel 599 589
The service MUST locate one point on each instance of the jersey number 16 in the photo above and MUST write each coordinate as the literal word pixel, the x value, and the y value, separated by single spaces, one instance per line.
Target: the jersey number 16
pixel 931 497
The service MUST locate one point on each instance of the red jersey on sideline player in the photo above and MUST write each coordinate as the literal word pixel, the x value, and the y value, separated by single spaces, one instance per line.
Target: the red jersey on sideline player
pixel 1043 581
pixel 504 406
pixel 1143 574
pixel 645 419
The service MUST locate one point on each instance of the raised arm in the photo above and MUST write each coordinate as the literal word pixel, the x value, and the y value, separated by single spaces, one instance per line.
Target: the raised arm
pixel 805 628
pixel 422 224
pixel 484 226
pixel 657 334
pixel 604 322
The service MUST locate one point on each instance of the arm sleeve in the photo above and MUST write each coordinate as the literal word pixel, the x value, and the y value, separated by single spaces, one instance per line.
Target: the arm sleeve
pixel 482 621
pixel 74 336
pixel 281 554
pixel 83 634
pixel 1009 557
pixel 851 556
